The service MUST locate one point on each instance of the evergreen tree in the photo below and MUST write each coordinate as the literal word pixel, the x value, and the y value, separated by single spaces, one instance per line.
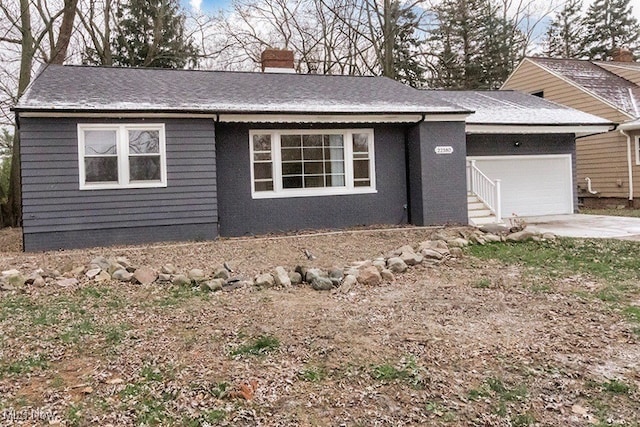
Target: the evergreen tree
pixel 406 48
pixel 150 33
pixel 565 33
pixel 476 46
pixel 609 24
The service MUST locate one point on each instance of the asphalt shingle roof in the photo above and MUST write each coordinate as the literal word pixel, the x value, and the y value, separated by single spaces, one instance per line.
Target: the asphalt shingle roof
pixel 516 108
pixel 81 88
pixel 617 91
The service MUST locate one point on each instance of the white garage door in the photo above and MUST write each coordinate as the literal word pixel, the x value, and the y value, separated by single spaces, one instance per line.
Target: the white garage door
pixel 531 185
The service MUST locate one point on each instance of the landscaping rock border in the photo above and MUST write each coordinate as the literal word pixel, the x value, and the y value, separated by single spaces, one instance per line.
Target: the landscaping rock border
pixel 443 246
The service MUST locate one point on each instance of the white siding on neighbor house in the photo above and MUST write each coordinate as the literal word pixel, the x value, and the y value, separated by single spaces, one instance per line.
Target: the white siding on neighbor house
pixel 531 185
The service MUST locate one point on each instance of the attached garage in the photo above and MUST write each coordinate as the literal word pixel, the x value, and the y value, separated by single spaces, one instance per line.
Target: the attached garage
pixel 531 185
pixel 528 144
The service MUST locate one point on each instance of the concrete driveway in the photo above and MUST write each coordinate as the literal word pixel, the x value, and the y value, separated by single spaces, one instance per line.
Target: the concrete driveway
pixel 587 226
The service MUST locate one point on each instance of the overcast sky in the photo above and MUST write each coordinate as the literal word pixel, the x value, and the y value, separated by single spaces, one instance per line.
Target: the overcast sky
pixel 213 5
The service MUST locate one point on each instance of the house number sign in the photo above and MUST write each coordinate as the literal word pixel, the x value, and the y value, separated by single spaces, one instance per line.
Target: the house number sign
pixel 444 149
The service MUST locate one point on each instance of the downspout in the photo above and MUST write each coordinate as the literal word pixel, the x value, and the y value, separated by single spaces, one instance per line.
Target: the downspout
pixel 629 165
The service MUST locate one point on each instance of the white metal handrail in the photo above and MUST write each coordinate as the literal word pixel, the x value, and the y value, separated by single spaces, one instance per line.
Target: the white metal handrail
pixel 486 190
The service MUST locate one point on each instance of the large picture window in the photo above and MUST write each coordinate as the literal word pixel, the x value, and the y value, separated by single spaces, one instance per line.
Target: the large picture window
pixel 297 163
pixel 121 156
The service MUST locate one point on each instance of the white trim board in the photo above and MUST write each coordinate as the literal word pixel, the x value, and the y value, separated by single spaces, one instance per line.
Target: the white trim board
pixel 538 129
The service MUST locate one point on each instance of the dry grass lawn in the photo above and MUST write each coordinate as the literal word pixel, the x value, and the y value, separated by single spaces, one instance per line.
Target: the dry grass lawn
pixel 484 340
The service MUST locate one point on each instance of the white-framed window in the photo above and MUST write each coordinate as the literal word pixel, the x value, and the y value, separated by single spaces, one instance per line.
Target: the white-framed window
pixel 122 156
pixel 300 163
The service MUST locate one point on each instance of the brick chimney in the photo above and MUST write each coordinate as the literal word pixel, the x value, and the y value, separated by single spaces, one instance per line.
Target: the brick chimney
pixel 622 54
pixel 277 61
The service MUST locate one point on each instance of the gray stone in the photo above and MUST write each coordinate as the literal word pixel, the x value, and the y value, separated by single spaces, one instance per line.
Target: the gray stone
pixel 145 275
pixel 196 274
pixel 168 269
pixel 431 254
pixel 281 276
pixel 39 282
pixel 181 280
pixel 494 229
pixel 301 270
pixel 549 236
pixel 456 252
pixel 411 258
pixel 350 271
pixel 101 262
pixel 348 283
pixel 335 273
pixel 435 245
pixel 114 266
pixel 295 278
pixel 68 282
pixel 122 275
pixel 163 277
pixel 13 278
pixel 264 280
pixel 387 275
pixel 221 273
pixel 396 265
pixel 405 248
pixel 458 242
pixel 520 236
pixel 315 273
pixel 128 265
pixel 474 238
pixel 322 283
pixel 93 272
pixel 103 276
pixel 213 285
pixel 492 238
pixel 380 264
pixel 369 276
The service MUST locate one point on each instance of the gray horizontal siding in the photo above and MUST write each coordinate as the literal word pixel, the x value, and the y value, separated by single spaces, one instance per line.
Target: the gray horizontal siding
pixel 53 203
pixel 119 236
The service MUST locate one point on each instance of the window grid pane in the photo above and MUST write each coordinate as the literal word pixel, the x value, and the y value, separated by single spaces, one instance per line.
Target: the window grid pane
pixel 361 160
pixel 262 163
pixel 312 161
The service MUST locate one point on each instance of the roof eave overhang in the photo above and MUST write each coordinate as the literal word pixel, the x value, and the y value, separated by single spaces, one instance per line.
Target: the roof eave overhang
pixel 255 117
pixel 631 126
pixel 577 129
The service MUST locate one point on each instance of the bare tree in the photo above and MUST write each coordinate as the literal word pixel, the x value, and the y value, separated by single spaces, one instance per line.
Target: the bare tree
pixel 30 29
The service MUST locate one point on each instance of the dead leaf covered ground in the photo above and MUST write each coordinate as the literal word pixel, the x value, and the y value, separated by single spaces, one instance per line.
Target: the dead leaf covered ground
pixel 469 342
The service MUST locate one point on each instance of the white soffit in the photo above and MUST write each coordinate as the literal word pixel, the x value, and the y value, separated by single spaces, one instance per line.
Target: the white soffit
pixel 539 129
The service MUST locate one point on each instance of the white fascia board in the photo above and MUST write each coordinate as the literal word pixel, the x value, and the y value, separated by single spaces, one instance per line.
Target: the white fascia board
pixel 319 118
pixel 112 115
pixel 632 125
pixel 339 118
pixel 510 129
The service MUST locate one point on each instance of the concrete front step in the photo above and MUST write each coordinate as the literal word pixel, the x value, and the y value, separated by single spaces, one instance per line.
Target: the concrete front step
pixel 472 206
pixel 478 213
pixel 480 221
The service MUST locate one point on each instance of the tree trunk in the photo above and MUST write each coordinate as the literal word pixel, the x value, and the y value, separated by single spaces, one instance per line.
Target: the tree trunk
pixel 66 29
pixel 389 40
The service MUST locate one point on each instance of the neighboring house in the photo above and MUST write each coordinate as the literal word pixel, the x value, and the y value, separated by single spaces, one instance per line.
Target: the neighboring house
pixel 608 165
pixel 125 155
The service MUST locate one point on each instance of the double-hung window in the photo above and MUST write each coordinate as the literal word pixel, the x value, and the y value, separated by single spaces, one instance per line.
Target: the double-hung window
pixel 121 156
pixel 298 163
